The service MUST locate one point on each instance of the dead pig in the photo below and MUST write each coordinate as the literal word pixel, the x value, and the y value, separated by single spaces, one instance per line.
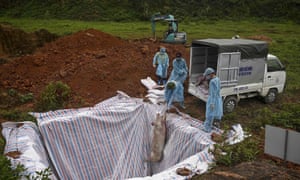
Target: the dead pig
pixel 159 138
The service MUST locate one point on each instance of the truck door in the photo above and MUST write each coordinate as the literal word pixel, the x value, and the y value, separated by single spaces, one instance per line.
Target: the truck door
pixel 275 75
pixel 228 68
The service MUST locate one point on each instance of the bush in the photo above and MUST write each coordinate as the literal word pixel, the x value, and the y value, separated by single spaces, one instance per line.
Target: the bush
pixel 15 173
pixel 244 151
pixel 12 98
pixel 16 116
pixel 43 175
pixel 7 172
pixel 54 96
pixel 24 98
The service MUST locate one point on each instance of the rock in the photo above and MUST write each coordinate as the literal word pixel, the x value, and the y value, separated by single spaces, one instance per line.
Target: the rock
pixel 230 175
pixel 145 49
pixel 38 62
pixel 99 56
pixel 62 73
pixel 27 83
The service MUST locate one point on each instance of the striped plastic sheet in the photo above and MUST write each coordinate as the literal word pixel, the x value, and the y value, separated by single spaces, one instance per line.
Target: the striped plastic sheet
pixel 112 140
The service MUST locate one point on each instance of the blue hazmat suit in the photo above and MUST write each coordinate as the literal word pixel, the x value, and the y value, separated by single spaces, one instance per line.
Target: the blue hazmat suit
pixel 179 71
pixel 175 94
pixel 161 61
pixel 214 104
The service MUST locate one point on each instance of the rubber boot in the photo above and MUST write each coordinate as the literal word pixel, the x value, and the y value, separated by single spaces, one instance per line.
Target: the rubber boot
pixel 159 82
pixel 208 124
pixel 182 105
pixel 217 123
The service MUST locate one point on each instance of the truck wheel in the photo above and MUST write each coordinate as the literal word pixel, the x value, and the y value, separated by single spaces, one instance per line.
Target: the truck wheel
pixel 230 104
pixel 271 96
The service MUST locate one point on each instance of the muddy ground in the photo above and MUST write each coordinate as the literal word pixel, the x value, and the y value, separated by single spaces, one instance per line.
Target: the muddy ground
pixel 95 65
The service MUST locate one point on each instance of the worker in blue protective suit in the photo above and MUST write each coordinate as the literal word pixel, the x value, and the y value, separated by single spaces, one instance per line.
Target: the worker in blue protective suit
pixel 161 63
pixel 173 93
pixel 172 27
pixel 179 74
pixel 180 70
pixel 214 104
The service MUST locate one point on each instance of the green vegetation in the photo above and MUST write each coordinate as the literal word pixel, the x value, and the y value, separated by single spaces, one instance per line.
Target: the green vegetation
pixel 54 96
pixel 121 10
pixel 11 98
pixel 43 175
pixel 288 117
pixel 230 155
pixel 66 27
pixel 6 172
pixel 16 115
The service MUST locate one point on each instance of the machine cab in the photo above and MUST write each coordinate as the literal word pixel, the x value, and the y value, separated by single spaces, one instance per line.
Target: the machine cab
pixel 171 35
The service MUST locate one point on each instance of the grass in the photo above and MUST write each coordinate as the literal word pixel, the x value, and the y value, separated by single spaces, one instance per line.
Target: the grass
pixel 64 27
pixel 195 30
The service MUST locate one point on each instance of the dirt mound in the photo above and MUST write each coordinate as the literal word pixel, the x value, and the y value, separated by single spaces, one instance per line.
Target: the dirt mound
pixel 15 42
pixel 94 64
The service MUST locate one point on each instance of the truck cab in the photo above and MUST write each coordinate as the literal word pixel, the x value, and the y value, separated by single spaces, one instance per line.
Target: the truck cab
pixel 275 78
pixel 245 69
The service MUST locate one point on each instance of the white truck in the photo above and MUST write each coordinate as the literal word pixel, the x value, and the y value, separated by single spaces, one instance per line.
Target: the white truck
pixel 244 67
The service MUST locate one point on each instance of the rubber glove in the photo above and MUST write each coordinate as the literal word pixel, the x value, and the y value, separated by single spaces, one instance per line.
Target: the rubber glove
pixel 181 72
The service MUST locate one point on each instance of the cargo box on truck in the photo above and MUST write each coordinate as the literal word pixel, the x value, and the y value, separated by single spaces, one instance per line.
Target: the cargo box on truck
pixel 244 67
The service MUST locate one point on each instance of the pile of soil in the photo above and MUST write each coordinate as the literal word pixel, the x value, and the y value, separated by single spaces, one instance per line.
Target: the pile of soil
pixel 93 63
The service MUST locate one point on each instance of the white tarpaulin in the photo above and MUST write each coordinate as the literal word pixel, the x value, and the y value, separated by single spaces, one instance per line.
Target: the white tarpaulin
pixel 24 146
pixel 112 140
